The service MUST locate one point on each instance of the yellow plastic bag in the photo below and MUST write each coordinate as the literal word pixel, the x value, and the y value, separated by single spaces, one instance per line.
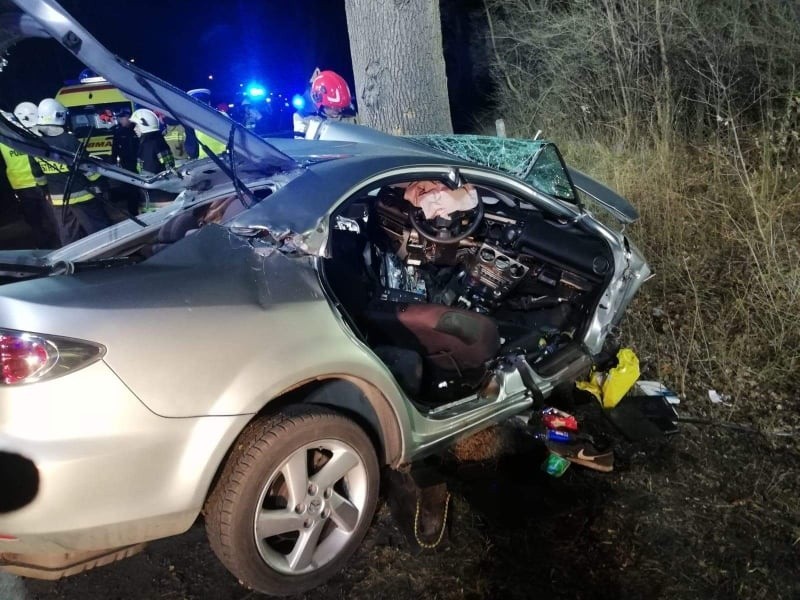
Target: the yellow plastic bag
pixel 610 389
pixel 621 378
pixel 594 386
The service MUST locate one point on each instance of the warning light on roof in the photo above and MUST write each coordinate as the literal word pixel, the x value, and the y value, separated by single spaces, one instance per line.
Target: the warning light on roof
pixel 89 76
pixel 255 91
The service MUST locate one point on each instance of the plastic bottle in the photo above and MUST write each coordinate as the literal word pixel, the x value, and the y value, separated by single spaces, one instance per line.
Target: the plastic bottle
pixel 553 435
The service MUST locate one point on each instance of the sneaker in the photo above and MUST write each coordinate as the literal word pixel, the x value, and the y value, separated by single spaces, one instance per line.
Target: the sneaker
pixel 585 454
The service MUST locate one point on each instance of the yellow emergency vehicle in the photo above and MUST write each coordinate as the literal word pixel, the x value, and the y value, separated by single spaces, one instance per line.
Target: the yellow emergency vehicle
pixel 93 103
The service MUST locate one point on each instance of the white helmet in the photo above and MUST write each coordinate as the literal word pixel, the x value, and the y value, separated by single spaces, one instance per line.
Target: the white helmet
pixel 27 113
pixel 51 112
pixel 145 121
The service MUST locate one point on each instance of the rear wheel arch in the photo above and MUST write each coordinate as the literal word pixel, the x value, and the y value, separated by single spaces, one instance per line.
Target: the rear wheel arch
pixel 348 395
pixel 355 398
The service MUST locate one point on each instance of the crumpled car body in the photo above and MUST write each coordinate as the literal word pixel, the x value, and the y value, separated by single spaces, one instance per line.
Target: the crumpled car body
pixel 142 387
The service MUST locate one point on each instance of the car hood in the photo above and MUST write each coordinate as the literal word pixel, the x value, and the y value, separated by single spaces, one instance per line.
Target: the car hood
pixel 616 205
pixel 21 19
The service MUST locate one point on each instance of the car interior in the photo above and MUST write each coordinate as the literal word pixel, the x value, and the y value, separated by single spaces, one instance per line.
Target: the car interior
pixel 440 301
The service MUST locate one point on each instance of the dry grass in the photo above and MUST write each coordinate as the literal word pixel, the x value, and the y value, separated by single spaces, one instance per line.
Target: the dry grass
pixel 722 312
pixel 691 110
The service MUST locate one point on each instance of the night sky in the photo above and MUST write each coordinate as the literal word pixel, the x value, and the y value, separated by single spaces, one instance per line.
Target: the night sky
pixel 274 42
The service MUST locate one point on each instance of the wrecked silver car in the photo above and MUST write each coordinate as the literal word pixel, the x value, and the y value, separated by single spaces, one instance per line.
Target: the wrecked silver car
pixel 258 350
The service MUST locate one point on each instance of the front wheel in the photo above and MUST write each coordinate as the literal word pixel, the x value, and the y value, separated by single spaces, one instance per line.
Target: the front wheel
pixel 295 499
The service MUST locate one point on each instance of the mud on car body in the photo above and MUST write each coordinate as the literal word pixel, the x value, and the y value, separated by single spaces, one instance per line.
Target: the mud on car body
pixel 263 366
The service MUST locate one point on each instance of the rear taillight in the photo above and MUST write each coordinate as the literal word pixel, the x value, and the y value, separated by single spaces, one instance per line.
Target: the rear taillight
pixel 28 357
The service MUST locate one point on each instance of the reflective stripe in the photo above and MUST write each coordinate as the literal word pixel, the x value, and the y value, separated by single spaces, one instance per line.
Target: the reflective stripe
pixel 52 168
pixel 18 168
pixel 57 175
pixel 76 198
pixel 166 159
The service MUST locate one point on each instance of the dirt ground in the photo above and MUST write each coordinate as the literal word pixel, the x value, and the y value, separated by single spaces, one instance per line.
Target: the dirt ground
pixel 710 513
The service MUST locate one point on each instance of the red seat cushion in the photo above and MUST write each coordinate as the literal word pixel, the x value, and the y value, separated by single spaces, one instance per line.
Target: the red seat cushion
pixel 453 339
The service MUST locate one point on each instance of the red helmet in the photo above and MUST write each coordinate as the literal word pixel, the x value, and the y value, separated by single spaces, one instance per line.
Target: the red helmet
pixel 330 90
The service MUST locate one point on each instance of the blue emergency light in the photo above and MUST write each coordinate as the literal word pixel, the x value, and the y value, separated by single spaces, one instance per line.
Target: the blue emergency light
pixel 255 91
pixel 298 102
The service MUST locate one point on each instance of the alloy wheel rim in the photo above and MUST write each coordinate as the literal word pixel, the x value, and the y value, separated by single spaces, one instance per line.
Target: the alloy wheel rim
pixel 310 507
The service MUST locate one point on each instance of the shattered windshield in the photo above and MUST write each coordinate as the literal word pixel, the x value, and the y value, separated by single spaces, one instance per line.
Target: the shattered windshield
pixel 537 162
pixel 549 175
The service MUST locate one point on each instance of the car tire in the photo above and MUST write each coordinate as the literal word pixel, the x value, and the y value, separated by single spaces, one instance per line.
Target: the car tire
pixel 277 518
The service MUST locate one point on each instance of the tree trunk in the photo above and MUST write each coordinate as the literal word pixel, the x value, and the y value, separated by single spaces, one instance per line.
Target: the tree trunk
pixel 398 64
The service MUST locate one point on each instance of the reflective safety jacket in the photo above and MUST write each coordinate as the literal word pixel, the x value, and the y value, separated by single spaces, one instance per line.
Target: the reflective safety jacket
pixel 175 136
pixel 19 169
pixel 57 174
pixel 215 145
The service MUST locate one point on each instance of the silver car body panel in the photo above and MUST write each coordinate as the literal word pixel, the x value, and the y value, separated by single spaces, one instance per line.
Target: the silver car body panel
pixel 94 444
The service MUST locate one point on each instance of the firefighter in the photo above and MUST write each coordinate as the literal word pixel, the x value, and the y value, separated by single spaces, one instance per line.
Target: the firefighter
pixel 125 143
pixel 83 214
pixel 124 153
pixel 154 154
pixel 331 96
pixel 29 187
pixel 193 148
pixel 175 136
pixel 332 100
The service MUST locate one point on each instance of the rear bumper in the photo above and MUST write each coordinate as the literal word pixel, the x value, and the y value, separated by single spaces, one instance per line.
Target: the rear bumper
pixel 56 566
pixel 109 473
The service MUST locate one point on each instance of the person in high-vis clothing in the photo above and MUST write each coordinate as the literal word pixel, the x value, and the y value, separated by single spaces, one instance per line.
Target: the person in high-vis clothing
pixel 206 141
pixel 331 99
pixel 175 136
pixel 83 213
pixel 29 186
pixel 155 155
pixel 194 138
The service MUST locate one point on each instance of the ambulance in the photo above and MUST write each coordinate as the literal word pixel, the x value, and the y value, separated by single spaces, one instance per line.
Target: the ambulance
pixel 93 104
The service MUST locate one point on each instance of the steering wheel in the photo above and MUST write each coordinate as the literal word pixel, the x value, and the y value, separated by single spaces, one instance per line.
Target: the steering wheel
pixel 447 230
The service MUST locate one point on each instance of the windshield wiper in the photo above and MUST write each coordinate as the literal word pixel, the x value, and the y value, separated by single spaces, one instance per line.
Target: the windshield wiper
pixel 230 173
pixel 69 267
pixel 23 268
pixel 73 169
